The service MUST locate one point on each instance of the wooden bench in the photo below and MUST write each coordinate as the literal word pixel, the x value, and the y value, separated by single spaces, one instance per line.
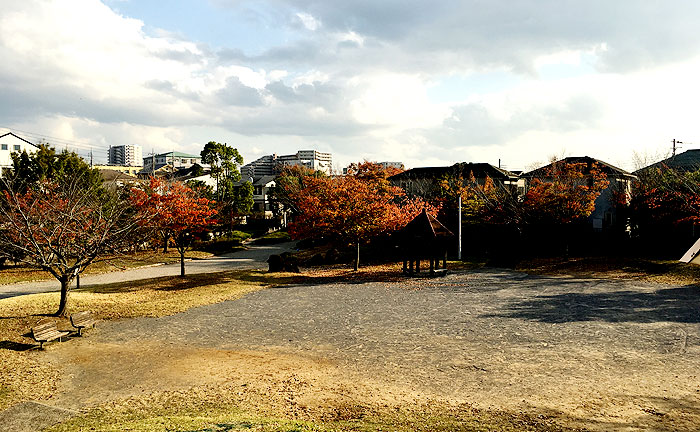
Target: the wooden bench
pixel 46 331
pixel 82 320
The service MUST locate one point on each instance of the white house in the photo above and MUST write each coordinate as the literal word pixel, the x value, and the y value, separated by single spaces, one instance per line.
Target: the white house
pixel 11 143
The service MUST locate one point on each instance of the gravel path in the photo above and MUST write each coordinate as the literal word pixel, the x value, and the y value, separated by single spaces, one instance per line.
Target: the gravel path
pixel 254 257
pixel 620 354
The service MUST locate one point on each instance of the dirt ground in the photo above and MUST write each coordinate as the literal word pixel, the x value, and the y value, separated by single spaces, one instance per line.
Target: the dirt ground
pixel 589 353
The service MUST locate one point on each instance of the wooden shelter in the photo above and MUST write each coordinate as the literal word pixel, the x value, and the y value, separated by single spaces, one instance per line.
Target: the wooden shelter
pixel 424 238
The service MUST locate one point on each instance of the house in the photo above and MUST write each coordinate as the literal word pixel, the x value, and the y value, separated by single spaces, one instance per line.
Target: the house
pixel 118 178
pixel 425 181
pixel 688 161
pixel 124 169
pixel 261 190
pixel 175 160
pixel 11 143
pixel 620 183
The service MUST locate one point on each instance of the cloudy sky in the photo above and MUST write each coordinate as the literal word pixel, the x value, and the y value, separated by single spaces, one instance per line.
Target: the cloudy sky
pixel 423 82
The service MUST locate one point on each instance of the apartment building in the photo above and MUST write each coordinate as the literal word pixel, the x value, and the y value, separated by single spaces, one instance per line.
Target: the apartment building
pixel 125 155
pixel 272 164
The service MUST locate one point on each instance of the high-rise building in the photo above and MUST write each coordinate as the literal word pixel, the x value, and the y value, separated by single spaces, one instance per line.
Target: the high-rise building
pixel 263 166
pixel 125 155
pixel 271 164
pixel 313 159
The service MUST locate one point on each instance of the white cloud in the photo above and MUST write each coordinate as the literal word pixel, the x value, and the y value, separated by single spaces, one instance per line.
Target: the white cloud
pixel 395 101
pixel 308 21
pixel 354 78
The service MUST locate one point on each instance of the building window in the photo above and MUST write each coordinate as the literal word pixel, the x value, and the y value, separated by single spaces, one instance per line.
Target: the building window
pixel 16 147
pixel 258 190
pixel 4 146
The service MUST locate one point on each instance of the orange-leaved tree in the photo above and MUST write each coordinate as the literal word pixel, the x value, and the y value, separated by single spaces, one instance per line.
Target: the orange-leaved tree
pixel 352 210
pixel 563 192
pixel 175 209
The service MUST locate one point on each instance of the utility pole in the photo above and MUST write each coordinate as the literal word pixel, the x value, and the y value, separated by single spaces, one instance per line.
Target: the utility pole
pixel 459 227
pixel 675 142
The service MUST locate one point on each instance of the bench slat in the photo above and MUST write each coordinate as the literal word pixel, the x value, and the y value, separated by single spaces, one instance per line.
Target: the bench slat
pixel 81 320
pixel 47 331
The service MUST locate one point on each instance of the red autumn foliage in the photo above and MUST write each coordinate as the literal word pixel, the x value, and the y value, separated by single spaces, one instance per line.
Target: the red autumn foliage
pixel 563 193
pixel 62 227
pixel 665 196
pixel 352 209
pixel 175 209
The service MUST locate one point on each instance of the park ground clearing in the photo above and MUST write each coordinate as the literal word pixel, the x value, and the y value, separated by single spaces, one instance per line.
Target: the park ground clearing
pixel 479 349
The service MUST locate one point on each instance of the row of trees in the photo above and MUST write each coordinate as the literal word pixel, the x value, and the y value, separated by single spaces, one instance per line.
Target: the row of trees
pixel 348 211
pixel 364 206
pixel 58 215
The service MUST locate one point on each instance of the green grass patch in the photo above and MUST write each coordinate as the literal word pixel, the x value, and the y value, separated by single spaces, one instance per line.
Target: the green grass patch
pixel 273 238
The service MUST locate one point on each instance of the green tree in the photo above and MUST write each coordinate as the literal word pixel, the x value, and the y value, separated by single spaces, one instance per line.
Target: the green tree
pixel 235 198
pixel 47 164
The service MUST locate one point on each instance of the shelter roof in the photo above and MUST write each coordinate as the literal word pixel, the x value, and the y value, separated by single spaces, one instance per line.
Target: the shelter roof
pixel 425 226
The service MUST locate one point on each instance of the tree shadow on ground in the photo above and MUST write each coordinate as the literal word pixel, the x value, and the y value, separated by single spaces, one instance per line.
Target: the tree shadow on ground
pixel 680 305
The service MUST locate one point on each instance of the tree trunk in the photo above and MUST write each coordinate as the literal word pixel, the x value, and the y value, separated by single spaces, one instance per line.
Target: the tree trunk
pixel 182 262
pixel 165 243
pixel 357 257
pixel 63 305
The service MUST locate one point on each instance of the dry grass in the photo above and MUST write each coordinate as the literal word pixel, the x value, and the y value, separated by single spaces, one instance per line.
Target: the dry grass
pixel 24 273
pixel 659 271
pixel 242 407
pixel 24 377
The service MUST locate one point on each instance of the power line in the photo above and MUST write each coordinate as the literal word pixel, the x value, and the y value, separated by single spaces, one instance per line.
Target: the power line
pixel 83 149
pixel 35 135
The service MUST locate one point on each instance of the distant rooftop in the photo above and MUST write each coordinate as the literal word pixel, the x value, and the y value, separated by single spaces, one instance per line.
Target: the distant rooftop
pixel 687 161
pixel 609 170
pixel 176 154
pixel 479 170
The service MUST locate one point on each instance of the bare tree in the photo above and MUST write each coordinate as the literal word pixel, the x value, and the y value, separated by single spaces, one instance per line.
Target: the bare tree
pixel 63 225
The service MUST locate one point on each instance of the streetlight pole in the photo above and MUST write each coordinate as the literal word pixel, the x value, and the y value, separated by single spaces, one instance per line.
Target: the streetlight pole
pixel 459 227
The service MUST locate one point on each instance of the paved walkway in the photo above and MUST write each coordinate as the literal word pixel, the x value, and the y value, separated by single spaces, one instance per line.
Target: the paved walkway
pixel 254 257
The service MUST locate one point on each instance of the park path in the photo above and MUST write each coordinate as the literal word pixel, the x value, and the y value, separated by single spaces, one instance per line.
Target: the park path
pixel 253 257
pixel 600 354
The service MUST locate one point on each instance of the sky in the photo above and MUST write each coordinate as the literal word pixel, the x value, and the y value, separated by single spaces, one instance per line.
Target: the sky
pixel 426 83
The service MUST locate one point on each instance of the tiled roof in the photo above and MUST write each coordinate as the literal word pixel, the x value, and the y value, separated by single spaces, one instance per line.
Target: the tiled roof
pixel 479 170
pixel 687 161
pixel 609 170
